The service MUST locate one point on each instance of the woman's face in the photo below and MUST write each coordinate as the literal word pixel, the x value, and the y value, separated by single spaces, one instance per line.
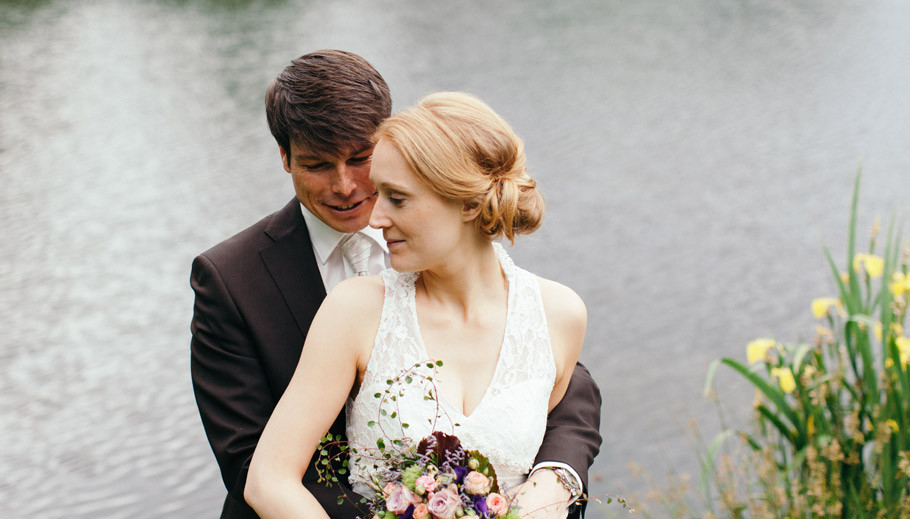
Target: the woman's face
pixel 421 228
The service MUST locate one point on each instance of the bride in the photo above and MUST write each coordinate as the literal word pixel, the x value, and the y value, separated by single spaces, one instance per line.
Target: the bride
pixel 451 178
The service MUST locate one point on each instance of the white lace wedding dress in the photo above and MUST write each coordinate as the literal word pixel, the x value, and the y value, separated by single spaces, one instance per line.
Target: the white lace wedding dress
pixel 507 425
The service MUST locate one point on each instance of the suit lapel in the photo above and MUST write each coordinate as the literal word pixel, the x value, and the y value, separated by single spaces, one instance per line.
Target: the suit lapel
pixel 292 265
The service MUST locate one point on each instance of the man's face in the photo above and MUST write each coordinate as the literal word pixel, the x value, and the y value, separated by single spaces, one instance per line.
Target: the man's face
pixel 337 189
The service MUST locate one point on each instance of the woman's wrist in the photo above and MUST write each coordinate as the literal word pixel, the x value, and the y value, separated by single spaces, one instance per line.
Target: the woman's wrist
pixel 569 488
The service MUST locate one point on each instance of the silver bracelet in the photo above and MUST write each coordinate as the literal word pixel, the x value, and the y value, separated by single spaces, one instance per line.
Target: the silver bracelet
pixel 567 481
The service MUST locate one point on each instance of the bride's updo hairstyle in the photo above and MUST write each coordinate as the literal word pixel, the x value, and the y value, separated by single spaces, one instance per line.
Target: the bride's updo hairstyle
pixel 463 150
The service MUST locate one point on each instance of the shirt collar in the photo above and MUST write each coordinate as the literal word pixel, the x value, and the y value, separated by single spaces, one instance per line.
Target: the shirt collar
pixel 325 239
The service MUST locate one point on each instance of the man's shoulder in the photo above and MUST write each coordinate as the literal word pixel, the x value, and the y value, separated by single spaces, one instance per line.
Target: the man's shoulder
pixel 256 237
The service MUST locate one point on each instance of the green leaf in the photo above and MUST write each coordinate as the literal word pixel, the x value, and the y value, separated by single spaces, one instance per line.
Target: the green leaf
pixel 408 379
pixel 439 363
pixel 709 378
pixel 798 358
pixel 773 394
pixel 785 431
pixel 707 465
pixel 380 444
pixel 371 423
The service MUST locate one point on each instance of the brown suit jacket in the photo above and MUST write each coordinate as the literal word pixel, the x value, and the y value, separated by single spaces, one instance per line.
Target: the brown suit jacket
pixel 256 295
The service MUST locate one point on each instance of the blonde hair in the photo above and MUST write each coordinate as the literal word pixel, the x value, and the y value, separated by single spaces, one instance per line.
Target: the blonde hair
pixel 463 150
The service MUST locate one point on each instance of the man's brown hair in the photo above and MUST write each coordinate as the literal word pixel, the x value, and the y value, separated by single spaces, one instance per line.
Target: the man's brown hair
pixel 325 101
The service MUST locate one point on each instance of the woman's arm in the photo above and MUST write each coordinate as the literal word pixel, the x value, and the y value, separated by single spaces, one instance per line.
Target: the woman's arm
pixel 543 495
pixel 567 319
pixel 336 350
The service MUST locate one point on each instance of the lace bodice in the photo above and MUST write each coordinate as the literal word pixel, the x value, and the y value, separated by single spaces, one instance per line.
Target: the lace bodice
pixel 509 422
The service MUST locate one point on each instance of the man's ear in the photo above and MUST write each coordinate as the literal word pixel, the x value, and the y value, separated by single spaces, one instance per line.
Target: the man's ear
pixel 285 161
pixel 470 210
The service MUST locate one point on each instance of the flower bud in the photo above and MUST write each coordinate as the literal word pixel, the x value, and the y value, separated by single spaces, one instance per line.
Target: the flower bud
pixel 419 490
pixel 473 463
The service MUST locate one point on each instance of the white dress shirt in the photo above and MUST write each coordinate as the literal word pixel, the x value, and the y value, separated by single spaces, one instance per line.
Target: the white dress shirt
pixel 332 265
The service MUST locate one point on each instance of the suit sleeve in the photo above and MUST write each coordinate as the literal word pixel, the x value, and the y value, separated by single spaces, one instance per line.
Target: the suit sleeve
pixel 230 385
pixel 573 426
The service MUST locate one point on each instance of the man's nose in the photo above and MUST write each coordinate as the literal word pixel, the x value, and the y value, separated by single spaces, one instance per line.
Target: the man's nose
pixel 344 182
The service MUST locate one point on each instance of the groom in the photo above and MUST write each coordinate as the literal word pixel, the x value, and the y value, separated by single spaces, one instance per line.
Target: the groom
pixel 257 292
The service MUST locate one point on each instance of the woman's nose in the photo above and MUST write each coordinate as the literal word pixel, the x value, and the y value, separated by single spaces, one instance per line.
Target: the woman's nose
pixel 378 219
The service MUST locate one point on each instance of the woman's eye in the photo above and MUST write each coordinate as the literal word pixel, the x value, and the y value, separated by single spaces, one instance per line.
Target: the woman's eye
pixel 395 200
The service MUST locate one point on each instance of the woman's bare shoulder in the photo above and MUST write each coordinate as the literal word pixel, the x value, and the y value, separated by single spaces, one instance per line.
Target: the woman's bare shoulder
pixel 351 312
pixel 357 294
pixel 567 319
pixel 562 305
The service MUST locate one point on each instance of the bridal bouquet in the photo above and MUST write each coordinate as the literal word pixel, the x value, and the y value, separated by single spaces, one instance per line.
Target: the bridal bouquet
pixel 438 479
pixel 435 479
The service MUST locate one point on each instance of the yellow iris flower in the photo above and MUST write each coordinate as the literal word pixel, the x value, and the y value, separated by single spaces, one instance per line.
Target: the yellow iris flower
pixel 757 350
pixel 893 424
pixel 821 305
pixel 874 265
pixel 785 378
pixel 900 284
pixel 903 347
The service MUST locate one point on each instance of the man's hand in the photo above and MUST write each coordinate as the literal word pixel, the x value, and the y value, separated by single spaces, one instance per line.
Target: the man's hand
pixel 542 496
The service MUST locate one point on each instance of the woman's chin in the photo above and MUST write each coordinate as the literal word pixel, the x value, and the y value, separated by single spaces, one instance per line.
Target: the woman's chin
pixel 404 264
pixel 401 266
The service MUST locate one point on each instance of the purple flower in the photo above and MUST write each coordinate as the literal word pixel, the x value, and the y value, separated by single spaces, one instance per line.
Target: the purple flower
pixel 409 513
pixel 480 506
pixel 460 473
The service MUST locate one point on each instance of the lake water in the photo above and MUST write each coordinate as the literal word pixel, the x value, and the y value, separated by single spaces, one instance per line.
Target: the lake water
pixel 694 156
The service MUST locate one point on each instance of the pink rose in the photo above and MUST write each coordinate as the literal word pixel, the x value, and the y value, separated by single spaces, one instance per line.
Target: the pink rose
pixel 497 505
pixel 428 482
pixel 444 503
pixel 399 498
pixel 476 483
pixel 389 487
pixel 421 511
